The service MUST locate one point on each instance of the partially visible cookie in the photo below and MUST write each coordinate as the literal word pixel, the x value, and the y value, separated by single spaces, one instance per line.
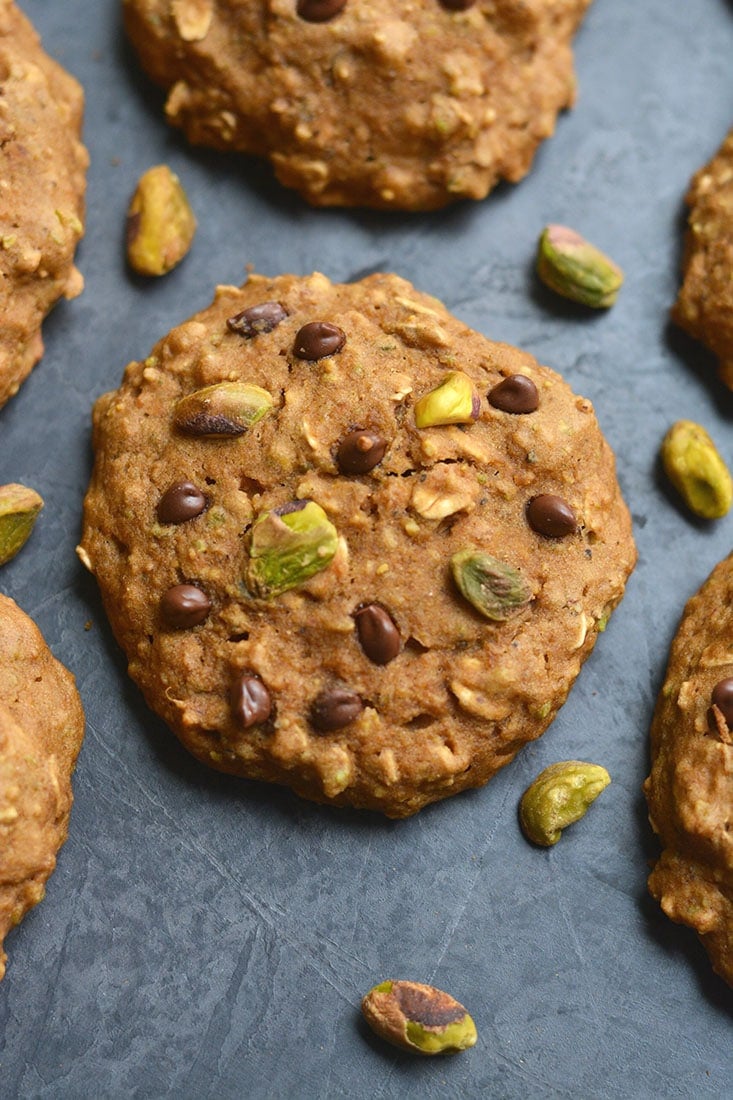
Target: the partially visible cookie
pixel 690 788
pixel 704 307
pixel 42 182
pixel 41 729
pixel 366 102
pixel 349 544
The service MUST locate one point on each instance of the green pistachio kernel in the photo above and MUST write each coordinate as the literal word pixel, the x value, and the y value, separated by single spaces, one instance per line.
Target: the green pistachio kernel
pixel 695 468
pixel 560 795
pixel 419 1018
pixel 495 589
pixel 223 410
pixel 454 401
pixel 160 223
pixel 289 544
pixel 19 508
pixel 576 269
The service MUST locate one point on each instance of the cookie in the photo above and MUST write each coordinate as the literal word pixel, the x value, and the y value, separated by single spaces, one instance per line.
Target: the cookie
pixel 704 307
pixel 41 729
pixel 348 544
pixel 42 181
pixel 368 103
pixel 690 788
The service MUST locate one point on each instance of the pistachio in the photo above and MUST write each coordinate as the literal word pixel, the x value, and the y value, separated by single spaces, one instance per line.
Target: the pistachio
pixel 576 269
pixel 160 223
pixel 419 1018
pixel 224 409
pixel 560 795
pixel 289 544
pixel 19 508
pixel 694 466
pixel 495 589
pixel 454 401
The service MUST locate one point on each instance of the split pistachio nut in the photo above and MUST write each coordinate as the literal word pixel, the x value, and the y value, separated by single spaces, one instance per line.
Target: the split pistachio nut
pixel 495 589
pixel 454 401
pixel 419 1018
pixel 694 466
pixel 223 410
pixel 19 508
pixel 576 269
pixel 160 223
pixel 289 545
pixel 560 795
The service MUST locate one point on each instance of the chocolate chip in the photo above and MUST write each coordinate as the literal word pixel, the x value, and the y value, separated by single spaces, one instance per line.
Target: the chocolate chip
pixel 335 708
pixel 257 320
pixel 515 394
pixel 458 5
pixel 318 339
pixel 360 451
pixel 184 605
pixel 319 11
pixel 722 698
pixel 378 635
pixel 251 701
pixel 180 503
pixel 551 516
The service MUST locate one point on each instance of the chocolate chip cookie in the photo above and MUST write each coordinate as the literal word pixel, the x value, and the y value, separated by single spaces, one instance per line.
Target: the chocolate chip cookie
pixel 366 102
pixel 41 729
pixel 42 181
pixel 690 788
pixel 349 544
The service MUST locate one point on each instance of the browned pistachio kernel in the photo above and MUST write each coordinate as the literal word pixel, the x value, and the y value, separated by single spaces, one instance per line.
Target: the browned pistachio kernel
pixel 251 701
pixel 182 502
pixel 515 394
pixel 318 339
pixel 160 223
pixel 360 451
pixel 551 516
pixel 334 708
pixel 495 589
pixel 576 269
pixel 257 320
pixel 454 401
pixel 319 11
pixel 19 508
pixel 419 1018
pixel 223 410
pixel 184 606
pixel 378 634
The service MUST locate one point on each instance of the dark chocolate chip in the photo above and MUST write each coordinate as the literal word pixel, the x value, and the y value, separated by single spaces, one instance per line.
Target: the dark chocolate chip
pixel 378 635
pixel 551 516
pixel 180 503
pixel 318 339
pixel 360 451
pixel 319 11
pixel 515 394
pixel 184 605
pixel 458 5
pixel 722 698
pixel 257 320
pixel 335 708
pixel 251 701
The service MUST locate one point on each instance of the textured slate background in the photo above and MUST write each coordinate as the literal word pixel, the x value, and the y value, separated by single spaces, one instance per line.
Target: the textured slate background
pixel 206 937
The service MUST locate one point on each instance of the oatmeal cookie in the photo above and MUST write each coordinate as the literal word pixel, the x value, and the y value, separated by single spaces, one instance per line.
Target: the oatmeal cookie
pixel 42 182
pixel 349 544
pixel 41 729
pixel 690 788
pixel 364 102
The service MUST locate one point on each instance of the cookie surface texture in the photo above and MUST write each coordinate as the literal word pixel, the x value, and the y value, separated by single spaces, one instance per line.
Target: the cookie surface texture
pixel 43 172
pixel 366 102
pixel 313 533
pixel 690 788
pixel 41 729
pixel 704 307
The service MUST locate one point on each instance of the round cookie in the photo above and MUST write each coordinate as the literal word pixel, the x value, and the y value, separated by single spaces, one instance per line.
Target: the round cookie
pixel 364 102
pixel 690 788
pixel 704 307
pixel 42 182
pixel 313 589
pixel 41 729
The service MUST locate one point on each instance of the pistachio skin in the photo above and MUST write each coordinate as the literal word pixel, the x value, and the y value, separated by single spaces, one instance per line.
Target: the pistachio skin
pixel 694 466
pixel 560 795
pixel 289 545
pixel 223 410
pixel 19 508
pixel 454 401
pixel 576 269
pixel 495 589
pixel 418 1018
pixel 160 223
